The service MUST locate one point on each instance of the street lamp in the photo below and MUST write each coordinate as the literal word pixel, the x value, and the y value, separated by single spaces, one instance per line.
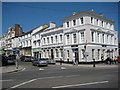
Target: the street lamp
pixel 85 53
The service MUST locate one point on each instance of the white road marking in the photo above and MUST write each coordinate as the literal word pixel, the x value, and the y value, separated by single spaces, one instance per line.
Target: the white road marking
pixel 80 84
pixel 41 69
pixel 38 79
pixel 22 84
pixel 63 68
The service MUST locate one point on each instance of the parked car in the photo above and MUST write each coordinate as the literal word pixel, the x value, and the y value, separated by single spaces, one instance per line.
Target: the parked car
pixel 51 61
pixel 3 60
pixel 40 62
pixel 11 59
pixel 27 58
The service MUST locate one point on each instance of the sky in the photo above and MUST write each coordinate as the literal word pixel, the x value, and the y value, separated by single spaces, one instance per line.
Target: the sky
pixel 33 14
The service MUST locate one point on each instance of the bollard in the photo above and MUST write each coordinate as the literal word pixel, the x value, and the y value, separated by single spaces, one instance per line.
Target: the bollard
pixel 93 62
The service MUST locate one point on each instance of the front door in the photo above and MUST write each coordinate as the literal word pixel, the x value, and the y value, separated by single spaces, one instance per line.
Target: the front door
pixel 75 55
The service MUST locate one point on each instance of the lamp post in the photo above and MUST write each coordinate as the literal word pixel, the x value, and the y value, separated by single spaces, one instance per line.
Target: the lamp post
pixel 85 54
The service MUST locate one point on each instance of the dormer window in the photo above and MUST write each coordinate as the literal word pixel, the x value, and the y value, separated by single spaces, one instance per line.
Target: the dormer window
pixel 74 22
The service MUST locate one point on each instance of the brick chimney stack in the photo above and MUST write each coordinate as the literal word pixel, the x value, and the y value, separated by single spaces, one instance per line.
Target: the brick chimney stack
pixel 18 30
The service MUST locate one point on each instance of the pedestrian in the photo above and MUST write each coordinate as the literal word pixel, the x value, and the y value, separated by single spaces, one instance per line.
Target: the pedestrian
pixel 17 59
pixel 60 61
pixel 115 60
pixel 74 62
pixel 102 59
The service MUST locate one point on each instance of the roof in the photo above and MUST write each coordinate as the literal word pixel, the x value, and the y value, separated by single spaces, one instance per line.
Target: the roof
pixel 87 12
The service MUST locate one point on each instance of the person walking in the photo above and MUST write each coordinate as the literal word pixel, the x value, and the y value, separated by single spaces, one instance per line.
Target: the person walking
pixel 17 59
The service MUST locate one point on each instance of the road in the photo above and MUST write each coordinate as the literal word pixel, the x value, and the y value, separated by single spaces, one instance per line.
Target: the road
pixel 55 77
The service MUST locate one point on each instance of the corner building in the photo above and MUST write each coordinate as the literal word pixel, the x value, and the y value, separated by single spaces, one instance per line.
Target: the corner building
pixel 87 36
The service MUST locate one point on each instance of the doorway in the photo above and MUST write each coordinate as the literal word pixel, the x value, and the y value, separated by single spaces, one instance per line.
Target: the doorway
pixel 52 56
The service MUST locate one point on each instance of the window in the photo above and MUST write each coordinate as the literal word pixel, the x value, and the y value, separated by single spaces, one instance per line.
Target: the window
pixel 103 38
pixel 44 40
pixel 92 34
pixel 74 22
pixel 93 52
pixel 107 39
pixel 68 55
pixel 97 21
pixel 67 39
pixel 111 39
pixel 56 39
pixel 82 36
pixel 102 23
pixel 74 37
pixel 81 20
pixel 51 39
pixel 98 54
pixel 48 40
pixel 39 42
pixel 60 38
pixel 91 20
pixel 61 51
pixel 67 24
pixel 56 53
pixel 98 37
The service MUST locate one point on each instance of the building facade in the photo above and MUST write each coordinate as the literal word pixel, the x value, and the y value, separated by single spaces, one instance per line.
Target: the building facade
pixel 83 37
pixel 87 36
pixel 52 42
pixel 12 32
pixel 25 45
pixel 36 40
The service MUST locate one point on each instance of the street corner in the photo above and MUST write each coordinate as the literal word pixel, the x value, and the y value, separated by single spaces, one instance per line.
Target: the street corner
pixel 12 70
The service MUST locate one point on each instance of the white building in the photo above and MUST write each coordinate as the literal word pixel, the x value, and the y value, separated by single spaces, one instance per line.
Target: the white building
pixel 36 40
pixel 25 44
pixel 15 44
pixel 52 42
pixel 87 36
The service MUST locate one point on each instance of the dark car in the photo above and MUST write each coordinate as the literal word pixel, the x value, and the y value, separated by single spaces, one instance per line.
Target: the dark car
pixel 11 59
pixel 3 60
pixel 27 58
pixel 40 62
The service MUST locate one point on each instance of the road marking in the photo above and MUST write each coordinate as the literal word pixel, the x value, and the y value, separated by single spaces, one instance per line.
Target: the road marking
pixel 38 79
pixel 41 69
pixel 22 84
pixel 63 68
pixel 80 84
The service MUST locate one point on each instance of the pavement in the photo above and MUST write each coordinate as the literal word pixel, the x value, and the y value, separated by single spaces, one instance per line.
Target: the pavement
pixel 10 69
pixel 89 65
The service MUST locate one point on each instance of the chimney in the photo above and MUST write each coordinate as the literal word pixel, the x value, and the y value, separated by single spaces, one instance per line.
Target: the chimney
pixel 18 30
pixel 92 11
pixel 52 24
pixel 101 14
pixel 74 13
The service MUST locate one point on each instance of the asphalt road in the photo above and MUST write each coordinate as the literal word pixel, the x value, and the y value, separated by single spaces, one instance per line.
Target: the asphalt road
pixel 55 77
